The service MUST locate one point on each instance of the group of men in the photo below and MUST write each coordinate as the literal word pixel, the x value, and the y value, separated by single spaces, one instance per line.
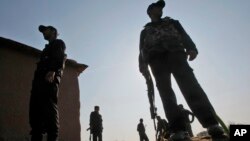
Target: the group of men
pixel 164 47
pixel 162 130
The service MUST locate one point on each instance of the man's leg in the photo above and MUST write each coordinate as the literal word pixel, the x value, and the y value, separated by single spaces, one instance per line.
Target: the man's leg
pixel 36 111
pixel 52 119
pixel 196 97
pixel 94 136
pixel 161 72
pixel 36 124
pixel 100 136
pixel 146 137
pixel 141 137
pixel 192 91
pixel 53 125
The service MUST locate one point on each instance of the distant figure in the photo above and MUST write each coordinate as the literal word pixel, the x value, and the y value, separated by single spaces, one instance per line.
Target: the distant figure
pixel 96 127
pixel 187 120
pixel 142 131
pixel 165 47
pixel 43 101
pixel 162 129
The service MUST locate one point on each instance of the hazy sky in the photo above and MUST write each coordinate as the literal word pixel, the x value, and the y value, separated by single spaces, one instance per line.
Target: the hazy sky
pixel 104 34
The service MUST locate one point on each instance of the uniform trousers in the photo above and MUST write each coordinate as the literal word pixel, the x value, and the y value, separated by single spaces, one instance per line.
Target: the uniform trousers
pixel 175 63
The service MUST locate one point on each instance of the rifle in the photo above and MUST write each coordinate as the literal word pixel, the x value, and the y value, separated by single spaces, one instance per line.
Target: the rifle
pixel 151 96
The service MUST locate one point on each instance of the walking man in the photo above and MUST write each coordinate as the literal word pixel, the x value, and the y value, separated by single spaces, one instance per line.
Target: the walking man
pixel 43 101
pixel 96 127
pixel 165 47
pixel 142 132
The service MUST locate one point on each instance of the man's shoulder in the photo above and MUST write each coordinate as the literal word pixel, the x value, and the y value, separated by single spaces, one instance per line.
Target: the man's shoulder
pixel 95 113
pixel 170 20
pixel 163 20
pixel 167 18
pixel 146 26
pixel 59 42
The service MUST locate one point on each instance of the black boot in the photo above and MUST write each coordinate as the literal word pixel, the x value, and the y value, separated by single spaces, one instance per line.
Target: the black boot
pixel 217 133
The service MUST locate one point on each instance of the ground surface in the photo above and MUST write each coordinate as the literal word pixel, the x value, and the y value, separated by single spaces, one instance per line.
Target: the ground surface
pixel 205 138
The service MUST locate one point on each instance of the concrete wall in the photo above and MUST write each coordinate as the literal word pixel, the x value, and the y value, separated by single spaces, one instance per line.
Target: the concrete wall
pixel 16 74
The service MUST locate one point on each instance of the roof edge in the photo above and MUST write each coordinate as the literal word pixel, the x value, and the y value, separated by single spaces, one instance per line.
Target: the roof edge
pixel 11 44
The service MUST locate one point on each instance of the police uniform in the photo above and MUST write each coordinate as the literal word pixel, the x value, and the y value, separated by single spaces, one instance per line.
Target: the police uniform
pixel 142 133
pixel 96 126
pixel 163 46
pixel 43 100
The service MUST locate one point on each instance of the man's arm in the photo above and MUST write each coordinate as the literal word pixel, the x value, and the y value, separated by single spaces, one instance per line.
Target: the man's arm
pixel 91 120
pixel 143 65
pixel 57 60
pixel 189 45
pixel 58 56
pixel 101 121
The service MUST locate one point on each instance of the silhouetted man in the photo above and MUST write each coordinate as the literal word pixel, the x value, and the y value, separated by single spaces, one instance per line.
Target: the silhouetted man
pixel 96 127
pixel 45 86
pixel 165 47
pixel 187 120
pixel 162 129
pixel 142 132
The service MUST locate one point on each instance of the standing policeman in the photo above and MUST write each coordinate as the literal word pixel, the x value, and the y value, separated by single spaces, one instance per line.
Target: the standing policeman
pixel 95 123
pixel 142 132
pixel 44 93
pixel 165 46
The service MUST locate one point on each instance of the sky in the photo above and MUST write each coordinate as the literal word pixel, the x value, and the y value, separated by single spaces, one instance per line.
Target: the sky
pixel 105 36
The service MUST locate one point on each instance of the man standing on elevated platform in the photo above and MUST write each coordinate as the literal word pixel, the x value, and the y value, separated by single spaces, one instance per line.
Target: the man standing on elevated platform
pixel 165 47
pixel 45 87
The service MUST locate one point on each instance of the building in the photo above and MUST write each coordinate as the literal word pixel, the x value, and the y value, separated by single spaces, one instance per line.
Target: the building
pixel 17 66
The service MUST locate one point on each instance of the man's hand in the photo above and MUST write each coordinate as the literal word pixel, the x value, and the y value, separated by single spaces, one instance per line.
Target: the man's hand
pixel 192 55
pixel 143 69
pixel 50 76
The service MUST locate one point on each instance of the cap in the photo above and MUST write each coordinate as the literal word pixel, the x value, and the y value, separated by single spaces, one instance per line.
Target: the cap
pixel 42 28
pixel 159 3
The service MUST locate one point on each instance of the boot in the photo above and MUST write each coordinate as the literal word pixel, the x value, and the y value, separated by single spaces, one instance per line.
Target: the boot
pixel 180 136
pixel 217 133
